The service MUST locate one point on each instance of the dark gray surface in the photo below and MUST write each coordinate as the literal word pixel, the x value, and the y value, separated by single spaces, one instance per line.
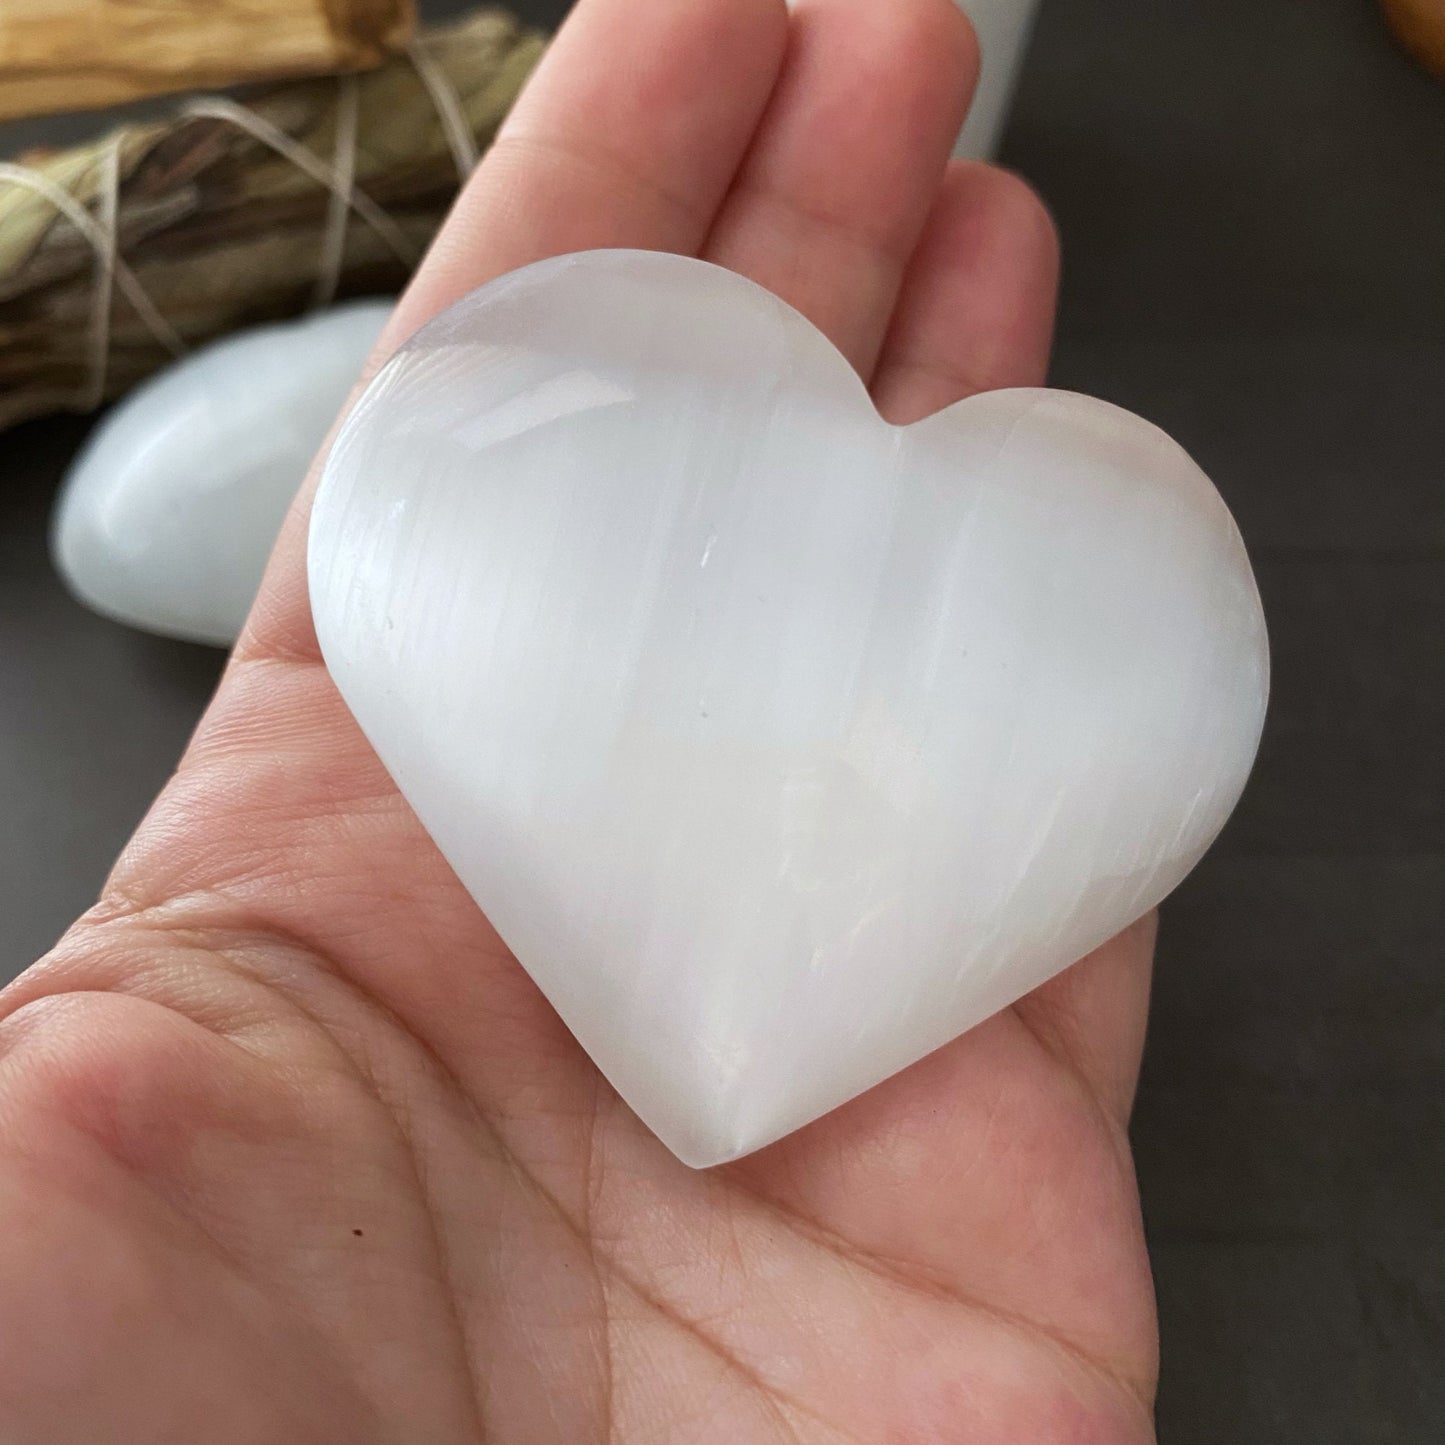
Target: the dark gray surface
pixel 1252 198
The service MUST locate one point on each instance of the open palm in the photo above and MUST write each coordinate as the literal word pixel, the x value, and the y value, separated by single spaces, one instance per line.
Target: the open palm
pixel 291 1150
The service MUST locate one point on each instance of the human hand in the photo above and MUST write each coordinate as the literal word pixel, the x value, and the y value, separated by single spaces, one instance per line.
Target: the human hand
pixel 290 1147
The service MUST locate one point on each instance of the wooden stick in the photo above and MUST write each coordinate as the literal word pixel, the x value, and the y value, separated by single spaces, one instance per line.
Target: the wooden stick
pixel 60 55
pixel 1420 27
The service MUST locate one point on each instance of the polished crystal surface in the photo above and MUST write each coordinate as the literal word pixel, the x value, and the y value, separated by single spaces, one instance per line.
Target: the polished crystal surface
pixel 780 744
pixel 168 516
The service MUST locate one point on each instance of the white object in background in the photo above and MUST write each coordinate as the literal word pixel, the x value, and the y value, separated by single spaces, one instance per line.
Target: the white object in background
pixel 779 743
pixel 1003 28
pixel 167 517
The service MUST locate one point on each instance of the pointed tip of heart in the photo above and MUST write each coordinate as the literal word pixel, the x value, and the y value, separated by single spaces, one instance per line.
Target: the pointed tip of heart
pixel 707 1103
pixel 708 1111
pixel 707 1157
pixel 707 1144
pixel 702 1123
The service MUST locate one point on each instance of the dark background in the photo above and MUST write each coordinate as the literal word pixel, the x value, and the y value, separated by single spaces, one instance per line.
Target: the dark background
pixel 1252 201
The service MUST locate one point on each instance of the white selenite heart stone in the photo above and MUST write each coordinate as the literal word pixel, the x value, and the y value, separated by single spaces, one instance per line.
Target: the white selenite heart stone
pixel 780 744
pixel 167 517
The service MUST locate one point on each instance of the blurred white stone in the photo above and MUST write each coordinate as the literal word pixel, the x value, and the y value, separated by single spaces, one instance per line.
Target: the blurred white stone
pixel 1003 28
pixel 781 745
pixel 168 515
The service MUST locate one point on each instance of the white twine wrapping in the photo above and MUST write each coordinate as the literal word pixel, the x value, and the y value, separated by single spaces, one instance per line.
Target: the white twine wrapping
pixel 338 176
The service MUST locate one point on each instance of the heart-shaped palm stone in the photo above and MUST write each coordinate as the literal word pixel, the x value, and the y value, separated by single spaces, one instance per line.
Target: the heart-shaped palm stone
pixel 779 743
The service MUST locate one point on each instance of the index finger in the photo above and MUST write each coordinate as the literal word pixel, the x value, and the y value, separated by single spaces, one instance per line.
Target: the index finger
pixel 628 134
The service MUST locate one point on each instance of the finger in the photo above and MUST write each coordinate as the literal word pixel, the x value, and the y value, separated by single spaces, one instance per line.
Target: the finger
pixel 830 201
pixel 1093 1016
pixel 976 309
pixel 629 134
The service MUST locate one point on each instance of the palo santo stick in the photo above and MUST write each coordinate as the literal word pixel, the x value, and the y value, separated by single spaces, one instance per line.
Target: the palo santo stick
pixel 1420 28
pixel 218 230
pixel 58 55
